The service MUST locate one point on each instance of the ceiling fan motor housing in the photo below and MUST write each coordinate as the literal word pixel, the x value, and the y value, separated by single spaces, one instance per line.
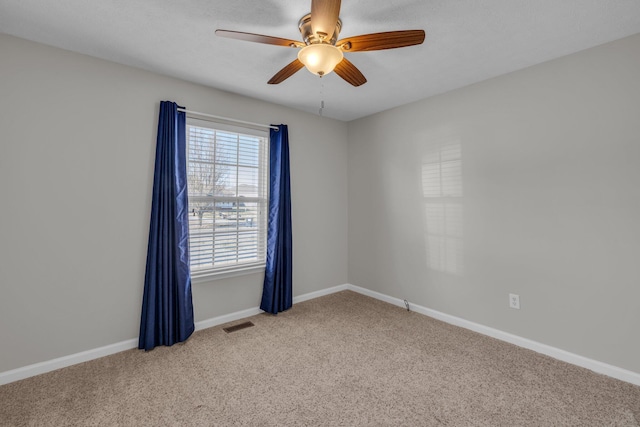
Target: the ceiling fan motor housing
pixel 309 37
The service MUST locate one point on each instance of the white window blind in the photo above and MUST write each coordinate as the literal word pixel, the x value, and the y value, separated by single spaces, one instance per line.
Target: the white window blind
pixel 227 181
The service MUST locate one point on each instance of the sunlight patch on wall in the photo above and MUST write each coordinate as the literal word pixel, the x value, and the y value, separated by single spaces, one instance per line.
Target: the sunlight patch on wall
pixel 443 206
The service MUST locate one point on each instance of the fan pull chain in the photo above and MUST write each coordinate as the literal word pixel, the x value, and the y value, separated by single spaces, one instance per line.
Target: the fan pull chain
pixel 321 98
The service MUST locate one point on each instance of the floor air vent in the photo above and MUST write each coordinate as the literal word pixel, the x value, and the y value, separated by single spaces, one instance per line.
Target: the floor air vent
pixel 237 327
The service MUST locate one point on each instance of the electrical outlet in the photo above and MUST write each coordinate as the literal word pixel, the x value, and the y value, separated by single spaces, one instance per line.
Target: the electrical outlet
pixel 514 301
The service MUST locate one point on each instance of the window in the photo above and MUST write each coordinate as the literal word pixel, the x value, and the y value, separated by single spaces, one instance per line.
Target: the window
pixel 227 180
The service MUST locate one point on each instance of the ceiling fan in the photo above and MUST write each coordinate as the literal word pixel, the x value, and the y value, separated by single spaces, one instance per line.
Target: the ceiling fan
pixel 321 51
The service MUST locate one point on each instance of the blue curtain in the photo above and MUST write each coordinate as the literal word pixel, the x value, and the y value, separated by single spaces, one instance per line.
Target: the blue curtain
pixel 277 288
pixel 167 308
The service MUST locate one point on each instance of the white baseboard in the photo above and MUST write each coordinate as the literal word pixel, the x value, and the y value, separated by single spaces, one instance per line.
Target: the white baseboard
pixel 62 362
pixel 320 293
pixel 73 359
pixel 594 365
pixel 226 318
pixel 556 353
pixel 204 324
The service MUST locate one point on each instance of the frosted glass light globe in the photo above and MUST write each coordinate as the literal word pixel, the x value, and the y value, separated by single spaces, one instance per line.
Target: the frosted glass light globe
pixel 320 59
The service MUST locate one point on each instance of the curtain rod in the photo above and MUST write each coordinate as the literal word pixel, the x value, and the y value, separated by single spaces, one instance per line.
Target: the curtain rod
pixel 227 119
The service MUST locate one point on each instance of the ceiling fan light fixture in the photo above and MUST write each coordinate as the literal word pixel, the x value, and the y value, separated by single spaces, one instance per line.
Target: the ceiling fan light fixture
pixel 321 50
pixel 321 58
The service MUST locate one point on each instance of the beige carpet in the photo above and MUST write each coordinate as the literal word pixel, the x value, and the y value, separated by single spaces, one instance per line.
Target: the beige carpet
pixel 340 360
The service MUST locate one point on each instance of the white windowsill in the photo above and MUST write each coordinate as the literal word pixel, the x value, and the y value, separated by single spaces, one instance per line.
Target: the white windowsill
pixel 208 276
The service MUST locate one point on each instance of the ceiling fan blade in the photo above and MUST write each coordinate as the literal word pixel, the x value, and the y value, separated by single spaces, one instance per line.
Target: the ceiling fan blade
pixel 324 17
pixel 350 73
pixel 381 41
pixel 258 38
pixel 286 72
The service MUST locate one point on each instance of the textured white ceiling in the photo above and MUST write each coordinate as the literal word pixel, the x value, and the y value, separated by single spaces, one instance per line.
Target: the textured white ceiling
pixel 467 41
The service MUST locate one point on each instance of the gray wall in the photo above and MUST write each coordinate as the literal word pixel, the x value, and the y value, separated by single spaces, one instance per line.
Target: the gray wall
pixel 77 147
pixel 525 183
pixel 543 202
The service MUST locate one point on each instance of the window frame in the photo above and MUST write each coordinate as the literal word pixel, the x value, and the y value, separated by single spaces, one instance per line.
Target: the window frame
pixel 261 200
